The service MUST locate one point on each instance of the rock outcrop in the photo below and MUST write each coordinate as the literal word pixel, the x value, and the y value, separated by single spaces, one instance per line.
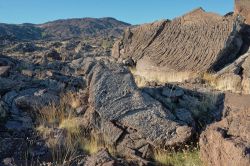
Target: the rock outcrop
pixel 198 41
pixel 129 119
pixel 228 142
pixel 242 7
pixel 236 76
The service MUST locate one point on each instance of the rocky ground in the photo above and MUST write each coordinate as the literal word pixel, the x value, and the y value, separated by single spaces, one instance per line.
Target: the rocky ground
pixel 67 101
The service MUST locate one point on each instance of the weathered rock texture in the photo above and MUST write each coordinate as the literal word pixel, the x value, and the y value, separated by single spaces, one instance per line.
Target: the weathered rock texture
pixel 228 142
pixel 236 76
pixel 102 158
pixel 197 41
pixel 128 118
pixel 242 7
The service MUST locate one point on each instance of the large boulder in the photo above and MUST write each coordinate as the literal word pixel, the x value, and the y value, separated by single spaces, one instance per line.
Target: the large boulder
pixel 37 100
pixel 227 142
pixel 198 41
pixel 236 76
pixel 128 118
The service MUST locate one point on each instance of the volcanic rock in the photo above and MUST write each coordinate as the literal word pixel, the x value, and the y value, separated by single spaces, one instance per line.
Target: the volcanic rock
pixel 137 119
pixel 36 101
pixel 242 7
pixel 6 85
pixel 3 111
pixel 227 142
pixel 101 158
pixel 4 70
pixel 237 75
pixel 198 41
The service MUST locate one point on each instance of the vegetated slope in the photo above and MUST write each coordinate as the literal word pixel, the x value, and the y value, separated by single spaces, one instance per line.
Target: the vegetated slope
pixel 197 41
pixel 64 29
pixel 84 27
pixel 21 32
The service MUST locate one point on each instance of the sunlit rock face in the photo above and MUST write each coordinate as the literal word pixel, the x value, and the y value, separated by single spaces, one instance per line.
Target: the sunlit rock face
pixel 242 7
pixel 198 41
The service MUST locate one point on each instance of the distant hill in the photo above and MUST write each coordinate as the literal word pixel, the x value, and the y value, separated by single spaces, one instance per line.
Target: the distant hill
pixel 64 29
pixel 20 32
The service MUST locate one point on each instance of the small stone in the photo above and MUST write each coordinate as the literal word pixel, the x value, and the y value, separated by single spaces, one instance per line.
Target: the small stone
pixel 9 162
pixel 129 62
pixel 81 110
pixel 4 71
pixel 28 73
pixel 40 92
pixel 49 73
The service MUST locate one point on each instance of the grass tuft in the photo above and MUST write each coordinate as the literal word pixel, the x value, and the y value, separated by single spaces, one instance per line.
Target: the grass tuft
pixel 226 82
pixel 61 129
pixel 184 158
pixel 143 77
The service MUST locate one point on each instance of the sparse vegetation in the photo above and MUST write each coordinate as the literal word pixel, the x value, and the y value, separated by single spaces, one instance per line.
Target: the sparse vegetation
pixel 141 78
pixel 91 145
pixel 107 43
pixel 183 158
pixel 225 82
pixel 63 131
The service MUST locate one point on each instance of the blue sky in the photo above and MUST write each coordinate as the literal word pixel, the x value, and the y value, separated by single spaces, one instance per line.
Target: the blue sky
pixel 131 11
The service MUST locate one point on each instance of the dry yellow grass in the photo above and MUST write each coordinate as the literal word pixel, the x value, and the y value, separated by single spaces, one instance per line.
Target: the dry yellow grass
pixel 246 85
pixel 72 125
pixel 164 77
pixel 227 82
pixel 210 78
pixel 189 158
pixel 61 117
pixel 143 77
pixel 90 145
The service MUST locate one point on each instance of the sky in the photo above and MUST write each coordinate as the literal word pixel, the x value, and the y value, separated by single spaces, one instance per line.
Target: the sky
pixel 131 11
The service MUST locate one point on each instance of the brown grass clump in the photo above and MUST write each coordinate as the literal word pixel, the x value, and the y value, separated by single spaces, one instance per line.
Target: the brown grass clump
pixel 226 82
pixel 63 131
pixel 143 77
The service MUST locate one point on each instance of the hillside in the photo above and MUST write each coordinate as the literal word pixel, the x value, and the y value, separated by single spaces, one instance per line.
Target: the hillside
pixel 64 29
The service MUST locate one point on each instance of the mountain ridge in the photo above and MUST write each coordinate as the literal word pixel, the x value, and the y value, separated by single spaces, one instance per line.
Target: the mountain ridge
pixel 64 28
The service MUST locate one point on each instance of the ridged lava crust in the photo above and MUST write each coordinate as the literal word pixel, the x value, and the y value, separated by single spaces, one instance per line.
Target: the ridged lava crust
pixel 116 99
pixel 197 41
